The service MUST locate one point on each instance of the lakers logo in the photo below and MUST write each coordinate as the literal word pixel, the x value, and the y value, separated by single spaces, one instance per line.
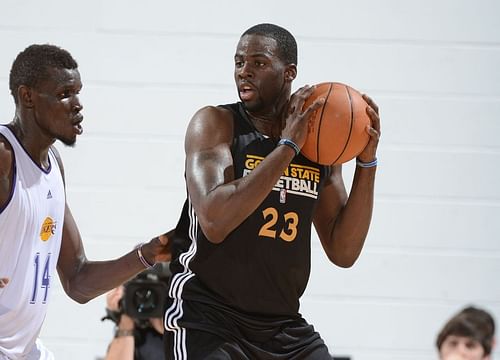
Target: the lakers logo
pixel 48 229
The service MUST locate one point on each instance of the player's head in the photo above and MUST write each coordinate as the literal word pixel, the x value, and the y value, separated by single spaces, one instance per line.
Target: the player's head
pixel 285 41
pixel 32 66
pixel 469 333
pixel 45 83
pixel 265 66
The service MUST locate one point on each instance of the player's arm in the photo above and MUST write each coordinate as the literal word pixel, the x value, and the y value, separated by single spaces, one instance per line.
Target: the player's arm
pixel 6 171
pixel 342 222
pixel 6 174
pixel 82 279
pixel 221 202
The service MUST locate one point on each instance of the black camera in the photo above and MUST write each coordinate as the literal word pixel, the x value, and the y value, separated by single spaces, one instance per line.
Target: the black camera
pixel 145 295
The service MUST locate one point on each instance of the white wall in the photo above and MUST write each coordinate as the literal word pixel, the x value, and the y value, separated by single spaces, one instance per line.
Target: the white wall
pixel 431 65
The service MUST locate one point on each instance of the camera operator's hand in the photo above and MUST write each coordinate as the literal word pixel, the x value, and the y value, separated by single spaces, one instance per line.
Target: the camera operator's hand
pixel 158 249
pixel 113 298
pixel 123 344
pixel 113 303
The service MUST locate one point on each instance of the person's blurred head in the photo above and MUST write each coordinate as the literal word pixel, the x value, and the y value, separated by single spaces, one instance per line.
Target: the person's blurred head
pixel 467 335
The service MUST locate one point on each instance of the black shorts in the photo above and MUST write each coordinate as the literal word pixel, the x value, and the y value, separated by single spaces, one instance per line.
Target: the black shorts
pixel 296 341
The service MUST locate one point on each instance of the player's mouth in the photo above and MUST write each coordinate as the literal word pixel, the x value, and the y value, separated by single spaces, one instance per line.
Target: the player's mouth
pixel 77 125
pixel 246 92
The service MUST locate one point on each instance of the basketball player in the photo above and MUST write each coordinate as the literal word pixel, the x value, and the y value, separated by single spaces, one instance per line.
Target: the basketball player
pixel 244 260
pixel 37 231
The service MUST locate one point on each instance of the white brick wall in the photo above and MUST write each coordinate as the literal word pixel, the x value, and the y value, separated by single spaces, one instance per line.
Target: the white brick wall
pixel 431 65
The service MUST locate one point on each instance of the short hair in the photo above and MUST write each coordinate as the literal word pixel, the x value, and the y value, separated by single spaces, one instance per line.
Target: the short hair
pixel 470 322
pixel 286 42
pixel 32 64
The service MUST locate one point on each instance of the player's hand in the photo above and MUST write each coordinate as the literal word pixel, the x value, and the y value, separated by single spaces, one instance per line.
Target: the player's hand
pixel 3 282
pixel 296 118
pixel 113 298
pixel 370 151
pixel 158 249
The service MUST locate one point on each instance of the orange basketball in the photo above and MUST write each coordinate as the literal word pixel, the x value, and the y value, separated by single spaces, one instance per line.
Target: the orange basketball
pixel 337 130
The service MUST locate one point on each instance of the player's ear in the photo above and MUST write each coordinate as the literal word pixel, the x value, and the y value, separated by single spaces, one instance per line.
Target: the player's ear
pixel 291 72
pixel 24 96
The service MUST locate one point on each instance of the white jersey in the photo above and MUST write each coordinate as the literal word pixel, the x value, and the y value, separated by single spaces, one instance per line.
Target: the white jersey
pixel 31 227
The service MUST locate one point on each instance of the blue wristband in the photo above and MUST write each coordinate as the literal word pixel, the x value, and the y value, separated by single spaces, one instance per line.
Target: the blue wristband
pixel 367 164
pixel 291 144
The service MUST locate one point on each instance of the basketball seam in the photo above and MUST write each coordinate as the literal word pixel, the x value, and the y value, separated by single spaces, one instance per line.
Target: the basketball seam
pixel 350 128
pixel 318 138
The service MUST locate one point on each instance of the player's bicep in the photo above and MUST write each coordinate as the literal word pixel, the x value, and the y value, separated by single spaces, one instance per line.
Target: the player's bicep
pixel 6 172
pixel 208 169
pixel 72 254
pixel 209 162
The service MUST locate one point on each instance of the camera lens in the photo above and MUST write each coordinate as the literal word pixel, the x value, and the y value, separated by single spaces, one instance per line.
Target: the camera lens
pixel 145 300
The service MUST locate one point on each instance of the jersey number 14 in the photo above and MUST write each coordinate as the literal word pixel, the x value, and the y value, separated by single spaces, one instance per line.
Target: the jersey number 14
pixel 44 279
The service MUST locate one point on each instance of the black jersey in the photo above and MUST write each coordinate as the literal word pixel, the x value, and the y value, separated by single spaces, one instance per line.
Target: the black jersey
pixel 261 269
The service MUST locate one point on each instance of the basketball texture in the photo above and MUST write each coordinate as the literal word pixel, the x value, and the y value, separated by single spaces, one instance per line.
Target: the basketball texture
pixel 337 130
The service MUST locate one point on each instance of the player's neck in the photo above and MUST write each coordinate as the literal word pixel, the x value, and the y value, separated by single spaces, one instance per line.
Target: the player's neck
pixel 266 126
pixel 31 143
pixel 269 124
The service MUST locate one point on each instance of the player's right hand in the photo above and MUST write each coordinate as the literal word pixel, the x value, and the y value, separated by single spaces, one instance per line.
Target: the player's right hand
pixel 297 119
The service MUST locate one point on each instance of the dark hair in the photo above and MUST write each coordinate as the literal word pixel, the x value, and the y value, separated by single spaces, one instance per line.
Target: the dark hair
pixel 285 40
pixel 31 65
pixel 471 322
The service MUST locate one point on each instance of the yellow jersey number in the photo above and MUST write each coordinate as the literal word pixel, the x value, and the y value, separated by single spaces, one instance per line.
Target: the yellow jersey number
pixel 288 233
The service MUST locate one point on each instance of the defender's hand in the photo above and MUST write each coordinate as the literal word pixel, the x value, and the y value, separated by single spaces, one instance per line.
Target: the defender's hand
pixel 3 282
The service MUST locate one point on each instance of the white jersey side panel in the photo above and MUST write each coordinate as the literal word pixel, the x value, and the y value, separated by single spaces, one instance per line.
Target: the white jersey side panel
pixel 30 240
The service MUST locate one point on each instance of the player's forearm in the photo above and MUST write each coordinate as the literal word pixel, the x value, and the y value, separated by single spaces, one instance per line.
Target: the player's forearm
pixel 224 208
pixel 94 278
pixel 348 233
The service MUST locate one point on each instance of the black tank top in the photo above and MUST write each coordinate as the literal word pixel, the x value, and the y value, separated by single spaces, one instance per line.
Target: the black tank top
pixel 262 267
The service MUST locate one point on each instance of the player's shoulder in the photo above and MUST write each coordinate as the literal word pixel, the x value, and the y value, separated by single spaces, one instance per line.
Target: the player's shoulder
pixel 215 117
pixel 214 112
pixel 6 145
pixel 210 125
pixel 58 159
pixel 4 140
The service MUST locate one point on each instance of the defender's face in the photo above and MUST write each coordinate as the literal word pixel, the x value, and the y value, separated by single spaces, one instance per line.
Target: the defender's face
pixel 57 107
pixel 461 348
pixel 259 73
